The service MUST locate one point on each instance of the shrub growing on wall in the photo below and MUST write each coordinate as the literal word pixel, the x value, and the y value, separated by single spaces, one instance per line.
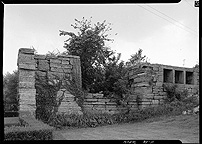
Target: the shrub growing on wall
pixel 46 99
pixel 173 93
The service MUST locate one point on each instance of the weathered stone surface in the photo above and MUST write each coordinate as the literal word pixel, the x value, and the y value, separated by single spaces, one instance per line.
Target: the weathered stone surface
pixel 26 50
pixel 91 100
pixel 26 73
pixel 37 56
pixel 89 95
pixel 62 70
pixel 111 103
pixel 55 61
pixel 25 58
pixel 40 73
pixel 27 66
pixel 43 65
pixel 98 103
pixel 64 62
pixel 24 90
pixel 97 95
pixel 26 85
pixel 103 100
pixel 26 79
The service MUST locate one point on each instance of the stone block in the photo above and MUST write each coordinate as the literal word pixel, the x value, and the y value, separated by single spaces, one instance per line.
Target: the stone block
pixel 155 102
pixel 25 58
pixel 26 50
pixel 43 65
pixel 132 103
pixel 132 97
pixel 68 95
pixel 55 61
pixel 27 101
pixel 89 95
pixel 150 96
pixel 103 100
pixel 91 99
pixel 26 73
pixel 65 62
pixel 27 66
pixel 155 68
pixel 26 85
pixel 99 106
pixel 159 84
pixel 98 103
pixel 40 73
pixel 142 84
pixel 111 107
pixel 62 70
pixel 27 108
pixel 111 103
pixel 37 56
pixel 29 91
pixel 26 79
pixel 146 103
pixel 140 80
pixel 97 95
pixel 55 75
pixel 157 97
pixel 56 65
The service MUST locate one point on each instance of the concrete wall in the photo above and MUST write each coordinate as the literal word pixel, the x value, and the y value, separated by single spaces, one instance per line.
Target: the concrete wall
pixel 30 65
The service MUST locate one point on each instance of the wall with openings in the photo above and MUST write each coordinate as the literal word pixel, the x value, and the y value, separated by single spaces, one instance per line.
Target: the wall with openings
pixel 149 81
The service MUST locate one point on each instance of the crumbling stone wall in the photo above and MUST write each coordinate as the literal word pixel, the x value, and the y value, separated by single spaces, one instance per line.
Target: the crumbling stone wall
pixel 97 103
pixel 30 65
pixel 148 81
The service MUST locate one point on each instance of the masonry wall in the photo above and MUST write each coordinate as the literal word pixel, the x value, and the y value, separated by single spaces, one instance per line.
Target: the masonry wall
pixel 148 81
pixel 31 65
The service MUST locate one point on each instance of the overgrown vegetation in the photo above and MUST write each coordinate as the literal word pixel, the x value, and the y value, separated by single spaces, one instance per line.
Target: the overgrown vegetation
pixel 174 93
pixel 100 119
pixel 48 101
pixel 10 91
pixel 102 70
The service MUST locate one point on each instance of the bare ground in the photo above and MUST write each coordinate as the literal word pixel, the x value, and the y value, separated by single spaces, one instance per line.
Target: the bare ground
pixel 182 127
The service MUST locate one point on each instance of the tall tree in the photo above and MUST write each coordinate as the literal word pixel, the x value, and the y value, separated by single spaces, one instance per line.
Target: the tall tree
pixel 89 44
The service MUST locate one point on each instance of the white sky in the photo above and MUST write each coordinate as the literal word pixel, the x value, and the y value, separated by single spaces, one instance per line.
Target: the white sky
pixel 162 42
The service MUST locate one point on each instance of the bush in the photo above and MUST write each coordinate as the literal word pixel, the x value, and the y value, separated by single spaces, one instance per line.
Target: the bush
pixel 30 129
pixel 173 93
pixel 10 87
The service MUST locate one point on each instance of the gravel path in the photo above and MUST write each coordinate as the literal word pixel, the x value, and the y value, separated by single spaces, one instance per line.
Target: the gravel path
pixel 184 128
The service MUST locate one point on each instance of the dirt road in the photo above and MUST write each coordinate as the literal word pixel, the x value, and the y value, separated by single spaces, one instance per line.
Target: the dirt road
pixel 183 127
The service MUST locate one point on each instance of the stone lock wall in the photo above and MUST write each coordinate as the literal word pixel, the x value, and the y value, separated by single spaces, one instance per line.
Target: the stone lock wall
pixel 147 87
pixel 30 65
pixel 97 103
pixel 149 80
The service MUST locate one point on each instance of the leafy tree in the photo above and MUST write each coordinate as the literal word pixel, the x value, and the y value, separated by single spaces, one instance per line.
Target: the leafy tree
pixel 89 44
pixel 116 80
pixel 10 91
pixel 137 58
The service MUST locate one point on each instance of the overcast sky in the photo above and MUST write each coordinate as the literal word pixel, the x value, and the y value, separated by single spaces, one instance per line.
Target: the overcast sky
pixel 167 33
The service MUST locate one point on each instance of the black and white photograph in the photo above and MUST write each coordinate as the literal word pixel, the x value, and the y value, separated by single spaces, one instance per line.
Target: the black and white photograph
pixel 107 71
